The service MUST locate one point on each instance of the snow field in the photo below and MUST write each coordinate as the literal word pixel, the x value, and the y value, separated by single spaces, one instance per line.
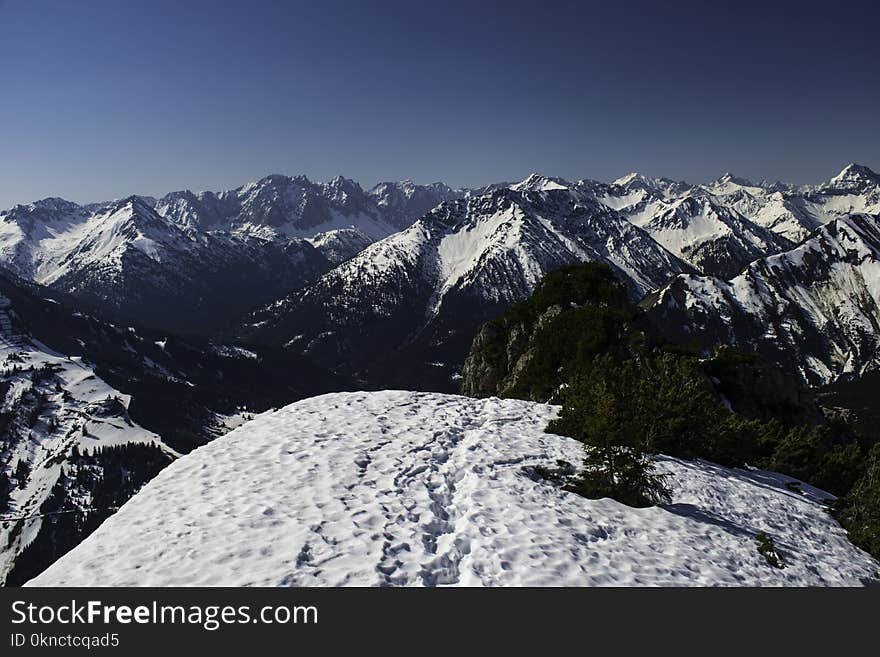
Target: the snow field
pixel 422 489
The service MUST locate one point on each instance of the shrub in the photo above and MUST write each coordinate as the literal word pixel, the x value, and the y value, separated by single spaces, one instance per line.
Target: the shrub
pixel 814 454
pixel 859 510
pixel 768 550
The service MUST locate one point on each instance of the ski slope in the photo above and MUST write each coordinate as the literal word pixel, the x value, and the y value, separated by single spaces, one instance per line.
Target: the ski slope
pixel 423 489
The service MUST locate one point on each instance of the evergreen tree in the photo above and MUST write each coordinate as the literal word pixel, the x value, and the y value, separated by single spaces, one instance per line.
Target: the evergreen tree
pixel 616 464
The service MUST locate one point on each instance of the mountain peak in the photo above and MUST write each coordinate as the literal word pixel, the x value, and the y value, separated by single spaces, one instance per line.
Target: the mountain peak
pixel 276 180
pixel 728 178
pixel 343 184
pixel 855 173
pixel 51 206
pixel 136 212
pixel 629 179
pixel 340 181
pixel 138 204
pixel 537 182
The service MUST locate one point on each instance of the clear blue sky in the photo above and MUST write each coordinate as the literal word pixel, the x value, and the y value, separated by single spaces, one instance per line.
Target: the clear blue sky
pixel 100 98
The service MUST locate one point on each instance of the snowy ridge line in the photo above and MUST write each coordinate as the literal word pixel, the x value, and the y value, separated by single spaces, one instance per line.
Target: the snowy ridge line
pixel 399 488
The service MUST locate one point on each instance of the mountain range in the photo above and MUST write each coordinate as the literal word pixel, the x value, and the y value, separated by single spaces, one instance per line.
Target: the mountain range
pixel 814 309
pixel 132 331
pixel 421 293
pixel 352 277
pixel 193 262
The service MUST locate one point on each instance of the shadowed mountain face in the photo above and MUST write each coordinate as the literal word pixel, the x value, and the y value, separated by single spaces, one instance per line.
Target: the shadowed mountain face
pixel 91 411
pixel 195 382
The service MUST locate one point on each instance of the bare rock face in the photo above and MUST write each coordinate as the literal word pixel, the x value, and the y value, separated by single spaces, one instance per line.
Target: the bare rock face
pixel 500 352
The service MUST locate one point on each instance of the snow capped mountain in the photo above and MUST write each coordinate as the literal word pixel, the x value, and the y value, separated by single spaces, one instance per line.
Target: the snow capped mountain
pixel 856 189
pixel 713 238
pixel 539 183
pixel 195 213
pixel 727 183
pixel 341 244
pixel 54 239
pixel 278 207
pixel 435 282
pixel 415 489
pixel 34 236
pixel 815 309
pixel 401 203
pixel 126 259
pixel 127 229
pixel 296 207
pixel 794 212
pixel 193 262
pixel 855 177
pixel 791 212
pixel 659 187
pixel 781 212
pixel 339 218
pixel 190 262
pixel 718 228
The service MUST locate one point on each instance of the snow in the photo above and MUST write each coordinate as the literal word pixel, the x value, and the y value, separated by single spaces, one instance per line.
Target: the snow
pixel 366 224
pixel 461 251
pixel 623 201
pixel 74 397
pixel 416 489
pixel 54 246
pixel 538 183
pixel 232 351
pixel 689 230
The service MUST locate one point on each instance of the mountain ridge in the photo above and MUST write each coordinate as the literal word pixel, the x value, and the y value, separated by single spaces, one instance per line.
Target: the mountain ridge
pixel 815 308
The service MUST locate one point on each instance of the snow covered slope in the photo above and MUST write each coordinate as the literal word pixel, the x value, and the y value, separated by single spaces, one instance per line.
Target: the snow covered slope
pixel 56 415
pixel 788 211
pixel 715 239
pixel 462 263
pixel 814 309
pixel 420 489
pixel 33 237
pixel 856 189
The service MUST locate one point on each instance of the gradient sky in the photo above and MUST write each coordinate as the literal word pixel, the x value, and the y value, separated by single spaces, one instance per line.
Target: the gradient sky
pixel 100 99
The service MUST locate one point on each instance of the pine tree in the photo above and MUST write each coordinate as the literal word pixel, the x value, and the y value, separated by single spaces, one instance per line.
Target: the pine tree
pixel 599 412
